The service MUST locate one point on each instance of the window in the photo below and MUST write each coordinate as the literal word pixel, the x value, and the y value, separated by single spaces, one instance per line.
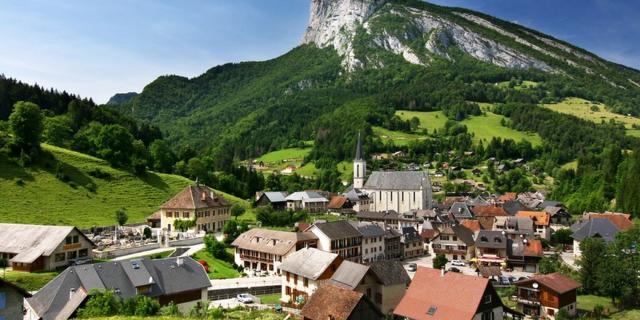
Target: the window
pixel 446 238
pixel 402 194
pixel 83 253
pixel 378 298
pixel 414 196
pixel 455 238
pixel 76 239
pixel 288 277
pixel 306 282
pixel 295 279
pixel 487 298
pixel 68 240
pixel 287 290
pixel 72 255
pixel 185 214
pixel 391 195
pixel 59 257
pixel 169 214
pixel 551 312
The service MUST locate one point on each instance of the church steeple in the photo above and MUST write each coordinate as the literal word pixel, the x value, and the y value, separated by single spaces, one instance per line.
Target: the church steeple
pixel 359 148
pixel 359 166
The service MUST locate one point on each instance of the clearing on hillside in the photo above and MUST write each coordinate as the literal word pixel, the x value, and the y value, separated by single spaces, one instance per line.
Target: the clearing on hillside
pixel 82 191
pixel 595 112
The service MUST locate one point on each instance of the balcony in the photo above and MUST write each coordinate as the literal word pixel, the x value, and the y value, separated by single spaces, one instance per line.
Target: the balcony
pixel 533 301
pixel 254 258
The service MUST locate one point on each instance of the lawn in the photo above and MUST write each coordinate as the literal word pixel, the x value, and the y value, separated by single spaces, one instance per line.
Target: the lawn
pixel 582 109
pixel 270 298
pixel 626 315
pixel 588 302
pixel 218 269
pixel 483 127
pixel 92 194
pixel 308 170
pixel 30 281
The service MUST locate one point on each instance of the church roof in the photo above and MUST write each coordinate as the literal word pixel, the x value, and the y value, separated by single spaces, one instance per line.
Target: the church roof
pixel 359 148
pixel 398 180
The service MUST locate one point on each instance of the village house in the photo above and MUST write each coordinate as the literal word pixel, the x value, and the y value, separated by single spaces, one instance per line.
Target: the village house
pixel 38 247
pixel 436 295
pixel 558 215
pixel 309 201
pixel 513 206
pixel 455 243
pixel 460 210
pixel 621 220
pixel 393 244
pixel 182 281
pixel 12 300
pixel 389 219
pixel 303 271
pixel 524 253
pixel 486 214
pixel 545 295
pixel 373 237
pixel 264 250
pixel 359 199
pixel 276 199
pixel 514 227
pixel 412 245
pixel 340 205
pixel 196 202
pixel 593 228
pixel 491 248
pixel 382 282
pixel 541 222
pixel 337 303
pixel 339 237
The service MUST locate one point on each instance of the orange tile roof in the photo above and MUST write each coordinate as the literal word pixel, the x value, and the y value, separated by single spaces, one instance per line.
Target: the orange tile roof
pixel 195 197
pixel 454 296
pixel 473 225
pixel 533 248
pixel 621 220
pixel 489 211
pixel 337 202
pixel 508 197
pixel 540 218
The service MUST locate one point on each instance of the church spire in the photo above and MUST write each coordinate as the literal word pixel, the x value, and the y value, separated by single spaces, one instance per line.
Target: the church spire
pixel 359 148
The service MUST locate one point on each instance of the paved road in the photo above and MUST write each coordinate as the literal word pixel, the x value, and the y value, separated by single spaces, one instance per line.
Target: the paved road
pixel 427 261
pixel 245 282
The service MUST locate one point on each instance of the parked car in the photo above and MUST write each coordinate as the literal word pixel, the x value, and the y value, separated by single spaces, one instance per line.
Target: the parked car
pixel 412 267
pixel 504 280
pixel 454 269
pixel 245 298
pixel 81 261
pixel 458 263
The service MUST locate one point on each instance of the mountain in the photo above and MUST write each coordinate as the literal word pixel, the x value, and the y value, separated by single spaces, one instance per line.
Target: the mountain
pixel 120 98
pixel 359 61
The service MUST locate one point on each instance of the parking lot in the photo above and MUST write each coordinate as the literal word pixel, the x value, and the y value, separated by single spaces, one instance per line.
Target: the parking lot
pixel 427 261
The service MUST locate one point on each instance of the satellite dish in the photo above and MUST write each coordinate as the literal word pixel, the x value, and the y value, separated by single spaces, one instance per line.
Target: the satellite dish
pixel 535 285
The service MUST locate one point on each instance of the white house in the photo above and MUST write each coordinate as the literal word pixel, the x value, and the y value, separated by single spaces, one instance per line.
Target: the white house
pixel 303 270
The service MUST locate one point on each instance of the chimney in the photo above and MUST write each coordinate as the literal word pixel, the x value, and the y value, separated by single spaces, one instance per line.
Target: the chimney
pixel 204 196
pixel 442 272
pixel 179 262
pixel 72 291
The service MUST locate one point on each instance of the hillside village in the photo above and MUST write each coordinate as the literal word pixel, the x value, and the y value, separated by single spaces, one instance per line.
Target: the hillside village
pixel 384 248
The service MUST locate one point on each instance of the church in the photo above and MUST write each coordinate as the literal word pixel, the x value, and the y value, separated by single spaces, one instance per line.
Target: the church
pixel 400 191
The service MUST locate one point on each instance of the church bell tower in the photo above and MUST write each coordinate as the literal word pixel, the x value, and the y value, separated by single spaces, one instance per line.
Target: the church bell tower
pixel 359 166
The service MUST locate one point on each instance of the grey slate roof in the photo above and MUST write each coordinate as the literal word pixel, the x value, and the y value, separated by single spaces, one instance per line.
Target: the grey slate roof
pixel 359 148
pixel 275 196
pixel 517 224
pixel 398 180
pixel 308 262
pixel 368 229
pixel 491 240
pixel 53 300
pixel 390 272
pixel 460 210
pixel 349 275
pixel 29 241
pixel 513 206
pixel 602 228
pixel 338 229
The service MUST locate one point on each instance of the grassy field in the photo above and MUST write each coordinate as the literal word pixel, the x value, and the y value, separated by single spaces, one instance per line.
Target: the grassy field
pixel 30 281
pixel 484 127
pixel 35 195
pixel 308 170
pixel 218 269
pixel 285 154
pixel 524 85
pixel 588 302
pixel 582 109
pixel 270 298
pixel 397 137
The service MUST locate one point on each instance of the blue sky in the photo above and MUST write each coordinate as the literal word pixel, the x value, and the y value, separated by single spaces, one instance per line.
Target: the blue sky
pixel 97 48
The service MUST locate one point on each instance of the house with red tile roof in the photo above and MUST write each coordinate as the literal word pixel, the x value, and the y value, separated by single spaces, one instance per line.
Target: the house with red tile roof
pixel 620 220
pixel 196 202
pixel 541 221
pixel 545 295
pixel 438 295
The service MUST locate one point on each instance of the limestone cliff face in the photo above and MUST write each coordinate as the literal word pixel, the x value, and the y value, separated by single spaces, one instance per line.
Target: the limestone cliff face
pixel 396 28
